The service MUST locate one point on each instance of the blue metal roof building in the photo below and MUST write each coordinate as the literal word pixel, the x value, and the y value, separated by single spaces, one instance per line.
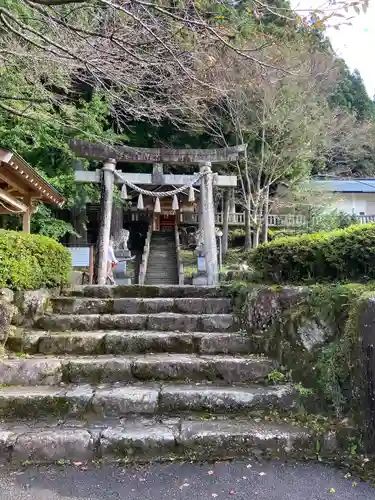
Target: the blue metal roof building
pixel 344 185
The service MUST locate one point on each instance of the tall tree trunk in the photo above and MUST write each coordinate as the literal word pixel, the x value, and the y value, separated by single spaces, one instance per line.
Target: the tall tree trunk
pixel 232 202
pixel 266 209
pixel 256 235
pixel 225 222
pixel 257 211
pixel 247 245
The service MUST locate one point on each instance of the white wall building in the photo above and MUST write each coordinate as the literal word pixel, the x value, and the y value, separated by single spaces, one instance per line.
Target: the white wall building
pixel 353 196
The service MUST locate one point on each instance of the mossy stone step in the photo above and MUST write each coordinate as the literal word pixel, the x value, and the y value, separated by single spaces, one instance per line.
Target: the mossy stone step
pixel 141 399
pixel 148 439
pixel 151 291
pixel 159 322
pixel 129 342
pixel 71 305
pixel 38 370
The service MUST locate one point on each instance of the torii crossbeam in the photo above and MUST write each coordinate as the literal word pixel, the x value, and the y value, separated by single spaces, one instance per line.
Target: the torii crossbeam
pixel 128 154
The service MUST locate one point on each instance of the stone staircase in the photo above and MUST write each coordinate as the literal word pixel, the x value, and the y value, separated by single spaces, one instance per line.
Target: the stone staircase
pixel 141 373
pixel 162 261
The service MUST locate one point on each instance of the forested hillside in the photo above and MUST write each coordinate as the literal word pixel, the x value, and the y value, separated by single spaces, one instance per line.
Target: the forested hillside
pixel 187 74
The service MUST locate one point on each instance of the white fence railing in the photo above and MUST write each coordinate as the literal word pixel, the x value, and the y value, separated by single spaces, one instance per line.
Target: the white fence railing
pixel 238 219
pixel 274 220
pixel 364 219
pixel 287 220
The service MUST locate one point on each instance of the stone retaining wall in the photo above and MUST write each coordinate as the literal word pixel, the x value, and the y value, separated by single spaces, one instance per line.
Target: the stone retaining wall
pixel 316 334
pixel 22 308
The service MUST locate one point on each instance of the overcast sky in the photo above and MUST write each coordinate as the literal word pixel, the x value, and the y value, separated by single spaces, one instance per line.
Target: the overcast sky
pixel 354 43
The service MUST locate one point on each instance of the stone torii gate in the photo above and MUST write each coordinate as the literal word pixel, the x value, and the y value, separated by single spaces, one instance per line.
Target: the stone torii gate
pixel 108 175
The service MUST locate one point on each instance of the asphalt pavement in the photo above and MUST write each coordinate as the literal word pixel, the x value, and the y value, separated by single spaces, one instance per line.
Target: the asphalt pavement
pixel 238 480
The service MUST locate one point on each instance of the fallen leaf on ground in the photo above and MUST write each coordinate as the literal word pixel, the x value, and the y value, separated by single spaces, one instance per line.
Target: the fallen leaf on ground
pixel 332 490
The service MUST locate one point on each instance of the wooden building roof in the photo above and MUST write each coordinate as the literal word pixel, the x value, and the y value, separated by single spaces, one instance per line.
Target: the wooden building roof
pixel 20 184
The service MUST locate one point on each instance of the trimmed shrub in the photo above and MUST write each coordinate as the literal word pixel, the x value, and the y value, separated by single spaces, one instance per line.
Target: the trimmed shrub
pixel 31 261
pixel 341 255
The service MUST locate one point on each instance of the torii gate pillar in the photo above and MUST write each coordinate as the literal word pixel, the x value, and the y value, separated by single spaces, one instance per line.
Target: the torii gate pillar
pixel 106 202
pixel 209 232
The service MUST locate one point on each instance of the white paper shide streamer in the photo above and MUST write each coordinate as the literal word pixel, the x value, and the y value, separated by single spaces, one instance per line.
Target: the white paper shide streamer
pixel 175 203
pixel 124 192
pixel 191 195
pixel 157 208
pixel 140 205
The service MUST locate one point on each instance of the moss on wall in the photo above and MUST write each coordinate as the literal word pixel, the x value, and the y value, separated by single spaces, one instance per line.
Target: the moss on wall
pixel 314 332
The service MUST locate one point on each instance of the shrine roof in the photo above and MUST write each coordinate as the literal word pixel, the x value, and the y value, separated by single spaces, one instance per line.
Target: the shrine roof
pixel 18 179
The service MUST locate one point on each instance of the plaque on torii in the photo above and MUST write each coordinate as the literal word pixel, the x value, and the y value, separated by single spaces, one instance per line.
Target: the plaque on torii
pixel 111 155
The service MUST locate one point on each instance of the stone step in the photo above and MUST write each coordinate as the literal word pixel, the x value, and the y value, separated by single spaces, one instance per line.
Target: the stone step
pixel 122 291
pixel 149 439
pixel 162 249
pixel 70 305
pixel 170 278
pixel 159 254
pixel 161 271
pixel 162 255
pixel 141 399
pixel 160 322
pixel 132 342
pixel 162 279
pixel 48 370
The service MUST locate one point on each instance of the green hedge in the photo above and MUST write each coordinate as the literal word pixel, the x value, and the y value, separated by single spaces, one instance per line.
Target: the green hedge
pixel 341 255
pixel 30 261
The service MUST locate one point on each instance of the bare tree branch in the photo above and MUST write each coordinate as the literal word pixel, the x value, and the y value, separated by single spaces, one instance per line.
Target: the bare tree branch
pixel 57 2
